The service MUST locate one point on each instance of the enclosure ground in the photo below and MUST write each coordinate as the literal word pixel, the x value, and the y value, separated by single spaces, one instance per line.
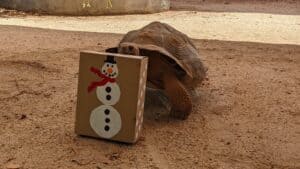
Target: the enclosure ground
pixel 247 115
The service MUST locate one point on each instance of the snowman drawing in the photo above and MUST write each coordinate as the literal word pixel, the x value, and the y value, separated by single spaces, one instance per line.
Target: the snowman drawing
pixel 105 120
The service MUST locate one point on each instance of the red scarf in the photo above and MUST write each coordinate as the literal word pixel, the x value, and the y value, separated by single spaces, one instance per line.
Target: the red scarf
pixel 102 82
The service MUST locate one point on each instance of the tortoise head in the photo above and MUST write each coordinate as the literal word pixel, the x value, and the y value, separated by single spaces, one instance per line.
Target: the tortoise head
pixel 129 48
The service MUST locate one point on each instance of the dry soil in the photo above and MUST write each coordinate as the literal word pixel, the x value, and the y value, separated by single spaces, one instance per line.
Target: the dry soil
pixel 247 116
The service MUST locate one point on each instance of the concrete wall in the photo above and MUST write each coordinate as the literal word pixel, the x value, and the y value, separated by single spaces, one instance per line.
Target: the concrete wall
pixel 87 7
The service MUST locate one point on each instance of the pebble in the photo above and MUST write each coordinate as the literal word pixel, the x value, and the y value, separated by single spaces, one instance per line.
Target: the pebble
pixel 13 166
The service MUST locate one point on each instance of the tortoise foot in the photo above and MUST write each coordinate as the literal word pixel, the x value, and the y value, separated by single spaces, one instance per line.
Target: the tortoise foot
pixel 179 114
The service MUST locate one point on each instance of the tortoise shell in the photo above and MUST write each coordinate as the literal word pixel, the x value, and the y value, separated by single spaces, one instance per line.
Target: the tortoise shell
pixel 176 49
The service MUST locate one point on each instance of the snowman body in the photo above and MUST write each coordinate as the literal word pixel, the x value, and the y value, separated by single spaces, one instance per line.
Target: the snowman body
pixel 109 94
pixel 105 120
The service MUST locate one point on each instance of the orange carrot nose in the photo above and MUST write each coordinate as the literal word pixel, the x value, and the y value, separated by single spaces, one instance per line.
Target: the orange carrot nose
pixel 109 70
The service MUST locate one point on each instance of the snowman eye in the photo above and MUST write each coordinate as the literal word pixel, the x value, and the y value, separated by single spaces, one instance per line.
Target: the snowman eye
pixel 112 65
pixel 107 65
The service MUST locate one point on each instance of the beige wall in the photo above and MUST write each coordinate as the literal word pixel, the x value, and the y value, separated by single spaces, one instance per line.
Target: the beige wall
pixel 88 7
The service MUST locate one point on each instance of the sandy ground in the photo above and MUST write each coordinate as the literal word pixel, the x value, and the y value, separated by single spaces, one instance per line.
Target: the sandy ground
pixel 247 116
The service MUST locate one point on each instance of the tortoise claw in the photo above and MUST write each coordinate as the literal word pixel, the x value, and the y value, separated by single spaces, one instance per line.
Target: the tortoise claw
pixel 179 114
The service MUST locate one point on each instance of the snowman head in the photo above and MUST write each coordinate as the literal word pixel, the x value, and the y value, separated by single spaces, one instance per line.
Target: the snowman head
pixel 110 68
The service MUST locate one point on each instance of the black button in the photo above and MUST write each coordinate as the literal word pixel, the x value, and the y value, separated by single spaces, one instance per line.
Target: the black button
pixel 106 128
pixel 106 111
pixel 108 97
pixel 107 120
pixel 108 89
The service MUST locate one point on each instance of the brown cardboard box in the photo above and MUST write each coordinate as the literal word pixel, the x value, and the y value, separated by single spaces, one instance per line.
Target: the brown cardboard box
pixel 111 94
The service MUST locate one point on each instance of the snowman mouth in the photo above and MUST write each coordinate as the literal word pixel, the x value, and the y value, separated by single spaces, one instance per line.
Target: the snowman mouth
pixel 110 74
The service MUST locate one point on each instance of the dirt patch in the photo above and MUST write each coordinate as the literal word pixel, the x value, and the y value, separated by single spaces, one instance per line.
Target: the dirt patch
pixel 247 115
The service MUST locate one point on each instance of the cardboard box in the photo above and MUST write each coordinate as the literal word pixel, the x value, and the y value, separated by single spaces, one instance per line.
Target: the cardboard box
pixel 111 95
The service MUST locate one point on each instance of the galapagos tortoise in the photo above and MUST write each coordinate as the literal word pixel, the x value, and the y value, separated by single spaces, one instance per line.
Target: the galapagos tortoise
pixel 174 62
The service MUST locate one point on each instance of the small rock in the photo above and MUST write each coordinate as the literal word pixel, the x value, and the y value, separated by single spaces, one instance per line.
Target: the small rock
pixel 113 156
pixel 23 116
pixel 47 95
pixel 13 166
pixel 142 138
pixel 106 163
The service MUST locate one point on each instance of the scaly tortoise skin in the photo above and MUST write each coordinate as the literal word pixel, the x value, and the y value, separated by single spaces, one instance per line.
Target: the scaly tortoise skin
pixel 174 62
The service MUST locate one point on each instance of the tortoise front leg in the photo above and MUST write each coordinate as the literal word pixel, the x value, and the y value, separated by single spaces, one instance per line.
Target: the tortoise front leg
pixel 180 99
